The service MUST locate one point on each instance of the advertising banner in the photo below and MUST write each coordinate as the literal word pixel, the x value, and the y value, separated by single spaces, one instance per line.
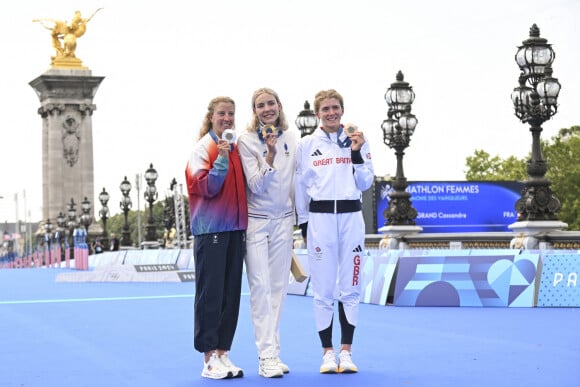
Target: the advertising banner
pixel 559 280
pixel 377 275
pixel 457 206
pixel 469 280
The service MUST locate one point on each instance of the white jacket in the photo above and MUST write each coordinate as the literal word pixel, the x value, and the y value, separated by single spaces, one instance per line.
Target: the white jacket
pixel 270 190
pixel 324 171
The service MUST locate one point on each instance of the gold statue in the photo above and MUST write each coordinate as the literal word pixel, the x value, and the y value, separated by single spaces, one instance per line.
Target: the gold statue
pixel 64 38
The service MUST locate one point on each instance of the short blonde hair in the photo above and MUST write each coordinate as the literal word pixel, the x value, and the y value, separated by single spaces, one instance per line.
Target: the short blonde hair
pixel 327 94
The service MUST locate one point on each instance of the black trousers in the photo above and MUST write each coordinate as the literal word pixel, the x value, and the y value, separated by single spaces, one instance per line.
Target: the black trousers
pixel 219 260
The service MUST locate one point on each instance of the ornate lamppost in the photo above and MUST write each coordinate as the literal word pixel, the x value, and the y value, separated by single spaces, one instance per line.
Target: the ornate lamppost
pixel 60 221
pixel 60 231
pixel 125 206
pixel 306 121
pixel 48 227
pixel 86 214
pixel 535 101
pixel 169 218
pixel 72 224
pixel 150 197
pixel 104 212
pixel 85 220
pixel 397 131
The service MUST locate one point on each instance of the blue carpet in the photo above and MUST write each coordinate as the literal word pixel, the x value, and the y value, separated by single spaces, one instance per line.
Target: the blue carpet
pixel 140 334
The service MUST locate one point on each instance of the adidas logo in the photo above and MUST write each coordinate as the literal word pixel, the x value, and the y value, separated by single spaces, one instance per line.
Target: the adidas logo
pixel 317 153
pixel 357 249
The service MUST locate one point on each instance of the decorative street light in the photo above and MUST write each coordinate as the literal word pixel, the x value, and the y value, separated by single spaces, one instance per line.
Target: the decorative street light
pixel 85 218
pixel 397 131
pixel 125 206
pixel 150 196
pixel 306 121
pixel 60 228
pixel 86 215
pixel 104 212
pixel 48 227
pixel 72 224
pixel 169 218
pixel 535 101
pixel 60 222
pixel 72 217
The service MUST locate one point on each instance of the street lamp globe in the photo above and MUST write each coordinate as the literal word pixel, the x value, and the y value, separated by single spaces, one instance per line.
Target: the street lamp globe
pixel 104 197
pixel 151 175
pixel 408 122
pixel 60 220
pixel 48 227
pixel 72 214
pixel 388 128
pixel 534 56
pixel 85 205
pixel 548 89
pixel 306 121
pixel 86 216
pixel 399 95
pixel 125 186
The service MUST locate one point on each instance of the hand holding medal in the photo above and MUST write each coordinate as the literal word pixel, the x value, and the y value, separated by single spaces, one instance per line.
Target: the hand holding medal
pixel 270 136
pixel 355 135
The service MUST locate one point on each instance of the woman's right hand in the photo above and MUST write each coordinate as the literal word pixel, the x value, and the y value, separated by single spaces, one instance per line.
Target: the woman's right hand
pixel 223 148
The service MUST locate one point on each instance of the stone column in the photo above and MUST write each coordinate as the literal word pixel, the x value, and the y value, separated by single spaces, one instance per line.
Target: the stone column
pixel 66 107
pixel 534 234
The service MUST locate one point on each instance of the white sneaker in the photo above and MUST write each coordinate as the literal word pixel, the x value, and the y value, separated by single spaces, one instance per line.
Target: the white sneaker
pixel 328 365
pixel 236 371
pixel 345 364
pixel 269 368
pixel 282 365
pixel 215 369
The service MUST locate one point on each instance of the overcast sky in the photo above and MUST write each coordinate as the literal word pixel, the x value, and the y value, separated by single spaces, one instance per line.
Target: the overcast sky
pixel 164 60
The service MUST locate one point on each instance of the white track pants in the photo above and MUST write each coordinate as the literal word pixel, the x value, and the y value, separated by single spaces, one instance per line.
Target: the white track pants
pixel 335 244
pixel 269 253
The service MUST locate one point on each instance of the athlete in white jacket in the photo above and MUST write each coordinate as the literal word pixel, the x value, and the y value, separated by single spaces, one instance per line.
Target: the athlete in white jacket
pixel 268 154
pixel 333 167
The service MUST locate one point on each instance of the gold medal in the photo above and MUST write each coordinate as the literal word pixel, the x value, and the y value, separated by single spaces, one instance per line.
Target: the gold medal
pixel 268 129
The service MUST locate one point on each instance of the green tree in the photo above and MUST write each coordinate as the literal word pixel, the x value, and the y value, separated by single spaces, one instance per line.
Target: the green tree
pixel 563 156
pixel 562 153
pixel 481 166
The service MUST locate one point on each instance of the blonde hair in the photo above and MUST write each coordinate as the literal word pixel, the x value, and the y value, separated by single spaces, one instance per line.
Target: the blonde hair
pixel 327 94
pixel 206 123
pixel 281 122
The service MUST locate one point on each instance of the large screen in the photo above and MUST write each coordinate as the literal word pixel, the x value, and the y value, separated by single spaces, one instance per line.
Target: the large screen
pixel 457 206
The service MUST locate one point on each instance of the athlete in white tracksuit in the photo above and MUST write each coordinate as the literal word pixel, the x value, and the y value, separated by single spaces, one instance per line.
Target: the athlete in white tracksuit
pixel 269 162
pixel 332 170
